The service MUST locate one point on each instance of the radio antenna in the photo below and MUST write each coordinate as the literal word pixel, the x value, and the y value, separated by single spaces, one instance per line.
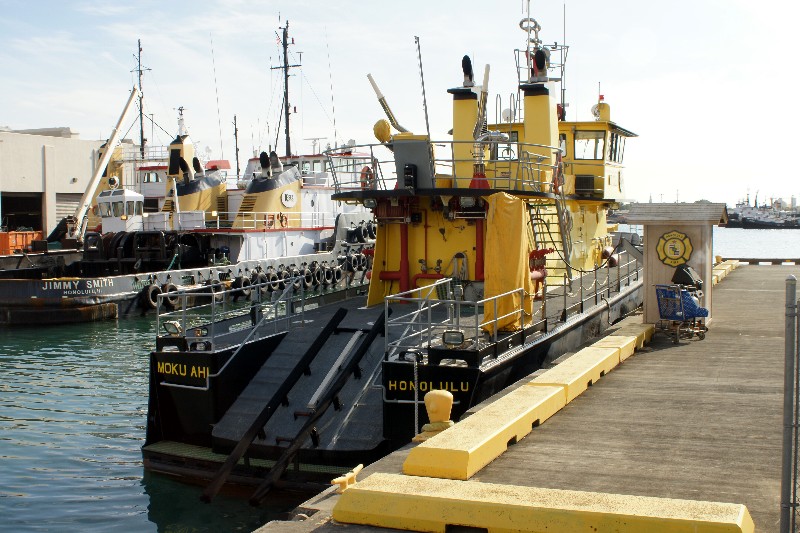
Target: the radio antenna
pixel 422 80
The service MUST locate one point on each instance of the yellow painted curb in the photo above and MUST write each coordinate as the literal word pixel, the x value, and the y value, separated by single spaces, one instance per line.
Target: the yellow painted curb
pixel 625 343
pixel 428 504
pixel 580 371
pixel 474 442
pixel 642 332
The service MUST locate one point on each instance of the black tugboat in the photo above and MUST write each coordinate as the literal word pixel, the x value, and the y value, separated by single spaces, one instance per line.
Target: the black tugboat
pixel 492 256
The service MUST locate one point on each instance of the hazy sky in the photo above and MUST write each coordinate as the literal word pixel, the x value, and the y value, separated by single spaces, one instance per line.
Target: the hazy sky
pixel 709 85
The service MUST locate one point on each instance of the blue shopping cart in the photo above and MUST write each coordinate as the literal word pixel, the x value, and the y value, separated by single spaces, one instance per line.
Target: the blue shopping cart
pixel 680 309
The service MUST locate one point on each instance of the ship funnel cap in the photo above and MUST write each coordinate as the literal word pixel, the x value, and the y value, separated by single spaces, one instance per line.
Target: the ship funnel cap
pixel 469 76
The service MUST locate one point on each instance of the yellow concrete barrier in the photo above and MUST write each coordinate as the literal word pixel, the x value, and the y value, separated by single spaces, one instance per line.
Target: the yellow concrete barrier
pixel 428 504
pixel 580 371
pixel 474 442
pixel 625 343
pixel 642 332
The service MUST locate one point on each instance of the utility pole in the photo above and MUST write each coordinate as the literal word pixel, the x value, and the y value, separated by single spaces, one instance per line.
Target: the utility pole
pixel 286 66
pixel 236 145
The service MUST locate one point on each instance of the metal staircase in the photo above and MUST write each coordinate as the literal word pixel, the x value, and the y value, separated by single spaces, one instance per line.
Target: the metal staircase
pixel 552 225
pixel 222 204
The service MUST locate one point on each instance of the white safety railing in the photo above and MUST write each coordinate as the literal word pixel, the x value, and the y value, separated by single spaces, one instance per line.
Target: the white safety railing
pixel 272 220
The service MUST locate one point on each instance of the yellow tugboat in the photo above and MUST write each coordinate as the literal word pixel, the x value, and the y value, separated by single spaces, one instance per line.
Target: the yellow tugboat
pixel 492 256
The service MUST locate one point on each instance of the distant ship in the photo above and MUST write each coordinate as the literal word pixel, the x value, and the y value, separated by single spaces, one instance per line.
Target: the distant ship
pixel 765 216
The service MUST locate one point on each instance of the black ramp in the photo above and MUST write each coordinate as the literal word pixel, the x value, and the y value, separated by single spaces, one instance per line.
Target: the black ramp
pixel 301 366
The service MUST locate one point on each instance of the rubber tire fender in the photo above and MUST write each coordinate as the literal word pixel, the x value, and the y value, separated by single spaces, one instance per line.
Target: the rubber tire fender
pixel 172 300
pixel 149 296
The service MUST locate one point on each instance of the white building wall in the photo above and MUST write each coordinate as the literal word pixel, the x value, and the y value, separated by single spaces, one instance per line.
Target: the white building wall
pixel 46 164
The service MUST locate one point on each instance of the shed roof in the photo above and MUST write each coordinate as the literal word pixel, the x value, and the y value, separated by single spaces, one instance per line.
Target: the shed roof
pixel 701 212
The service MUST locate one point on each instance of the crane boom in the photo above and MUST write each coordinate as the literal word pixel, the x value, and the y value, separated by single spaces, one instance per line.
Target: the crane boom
pixel 80 218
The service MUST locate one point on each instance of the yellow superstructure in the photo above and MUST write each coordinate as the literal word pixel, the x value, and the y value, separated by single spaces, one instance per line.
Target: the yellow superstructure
pixel 566 174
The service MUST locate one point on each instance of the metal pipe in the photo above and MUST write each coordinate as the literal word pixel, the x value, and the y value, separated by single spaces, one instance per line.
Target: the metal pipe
pixel 788 404
pixel 385 106
pixel 480 122
pixel 479 259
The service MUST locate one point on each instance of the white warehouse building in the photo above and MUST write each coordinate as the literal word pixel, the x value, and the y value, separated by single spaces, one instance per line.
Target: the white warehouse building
pixel 43 174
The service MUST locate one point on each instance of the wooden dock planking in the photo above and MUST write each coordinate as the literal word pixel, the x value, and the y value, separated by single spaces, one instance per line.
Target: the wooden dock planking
pixel 698 421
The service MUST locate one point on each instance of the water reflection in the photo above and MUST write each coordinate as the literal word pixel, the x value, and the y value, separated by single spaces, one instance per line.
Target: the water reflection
pixel 73 404
pixel 175 507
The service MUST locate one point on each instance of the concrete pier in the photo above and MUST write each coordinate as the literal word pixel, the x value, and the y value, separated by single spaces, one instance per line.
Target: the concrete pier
pixel 700 421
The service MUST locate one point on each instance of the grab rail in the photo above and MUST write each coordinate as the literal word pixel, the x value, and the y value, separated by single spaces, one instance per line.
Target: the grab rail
pixel 508 165
pixel 284 300
pixel 419 325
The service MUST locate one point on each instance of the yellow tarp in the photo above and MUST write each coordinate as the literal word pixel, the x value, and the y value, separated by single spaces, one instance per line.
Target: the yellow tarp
pixel 508 245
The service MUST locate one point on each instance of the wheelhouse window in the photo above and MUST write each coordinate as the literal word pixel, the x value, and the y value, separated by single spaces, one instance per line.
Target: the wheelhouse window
pixel 151 177
pixel 117 209
pixel 590 144
pixel 617 148
pixel 508 150
pixel 562 144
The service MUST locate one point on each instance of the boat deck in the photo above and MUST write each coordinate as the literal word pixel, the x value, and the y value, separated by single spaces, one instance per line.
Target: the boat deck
pixel 699 421
pixel 350 430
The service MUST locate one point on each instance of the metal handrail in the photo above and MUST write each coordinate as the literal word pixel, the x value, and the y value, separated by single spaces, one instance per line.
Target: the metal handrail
pixel 274 219
pixel 285 299
pixel 419 325
pixel 531 169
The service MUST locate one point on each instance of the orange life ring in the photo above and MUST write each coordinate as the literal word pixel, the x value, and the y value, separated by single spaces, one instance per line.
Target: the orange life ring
pixel 366 177
pixel 284 219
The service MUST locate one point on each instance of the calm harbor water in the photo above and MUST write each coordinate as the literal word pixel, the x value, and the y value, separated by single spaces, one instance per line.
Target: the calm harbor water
pixel 73 402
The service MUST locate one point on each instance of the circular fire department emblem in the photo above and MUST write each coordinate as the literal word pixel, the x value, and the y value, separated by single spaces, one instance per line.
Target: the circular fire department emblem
pixel 674 248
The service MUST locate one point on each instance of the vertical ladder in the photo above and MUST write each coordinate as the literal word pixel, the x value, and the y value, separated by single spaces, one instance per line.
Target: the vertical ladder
pixel 552 226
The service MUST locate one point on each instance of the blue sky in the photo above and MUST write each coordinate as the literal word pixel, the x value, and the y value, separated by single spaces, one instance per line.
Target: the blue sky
pixel 708 85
